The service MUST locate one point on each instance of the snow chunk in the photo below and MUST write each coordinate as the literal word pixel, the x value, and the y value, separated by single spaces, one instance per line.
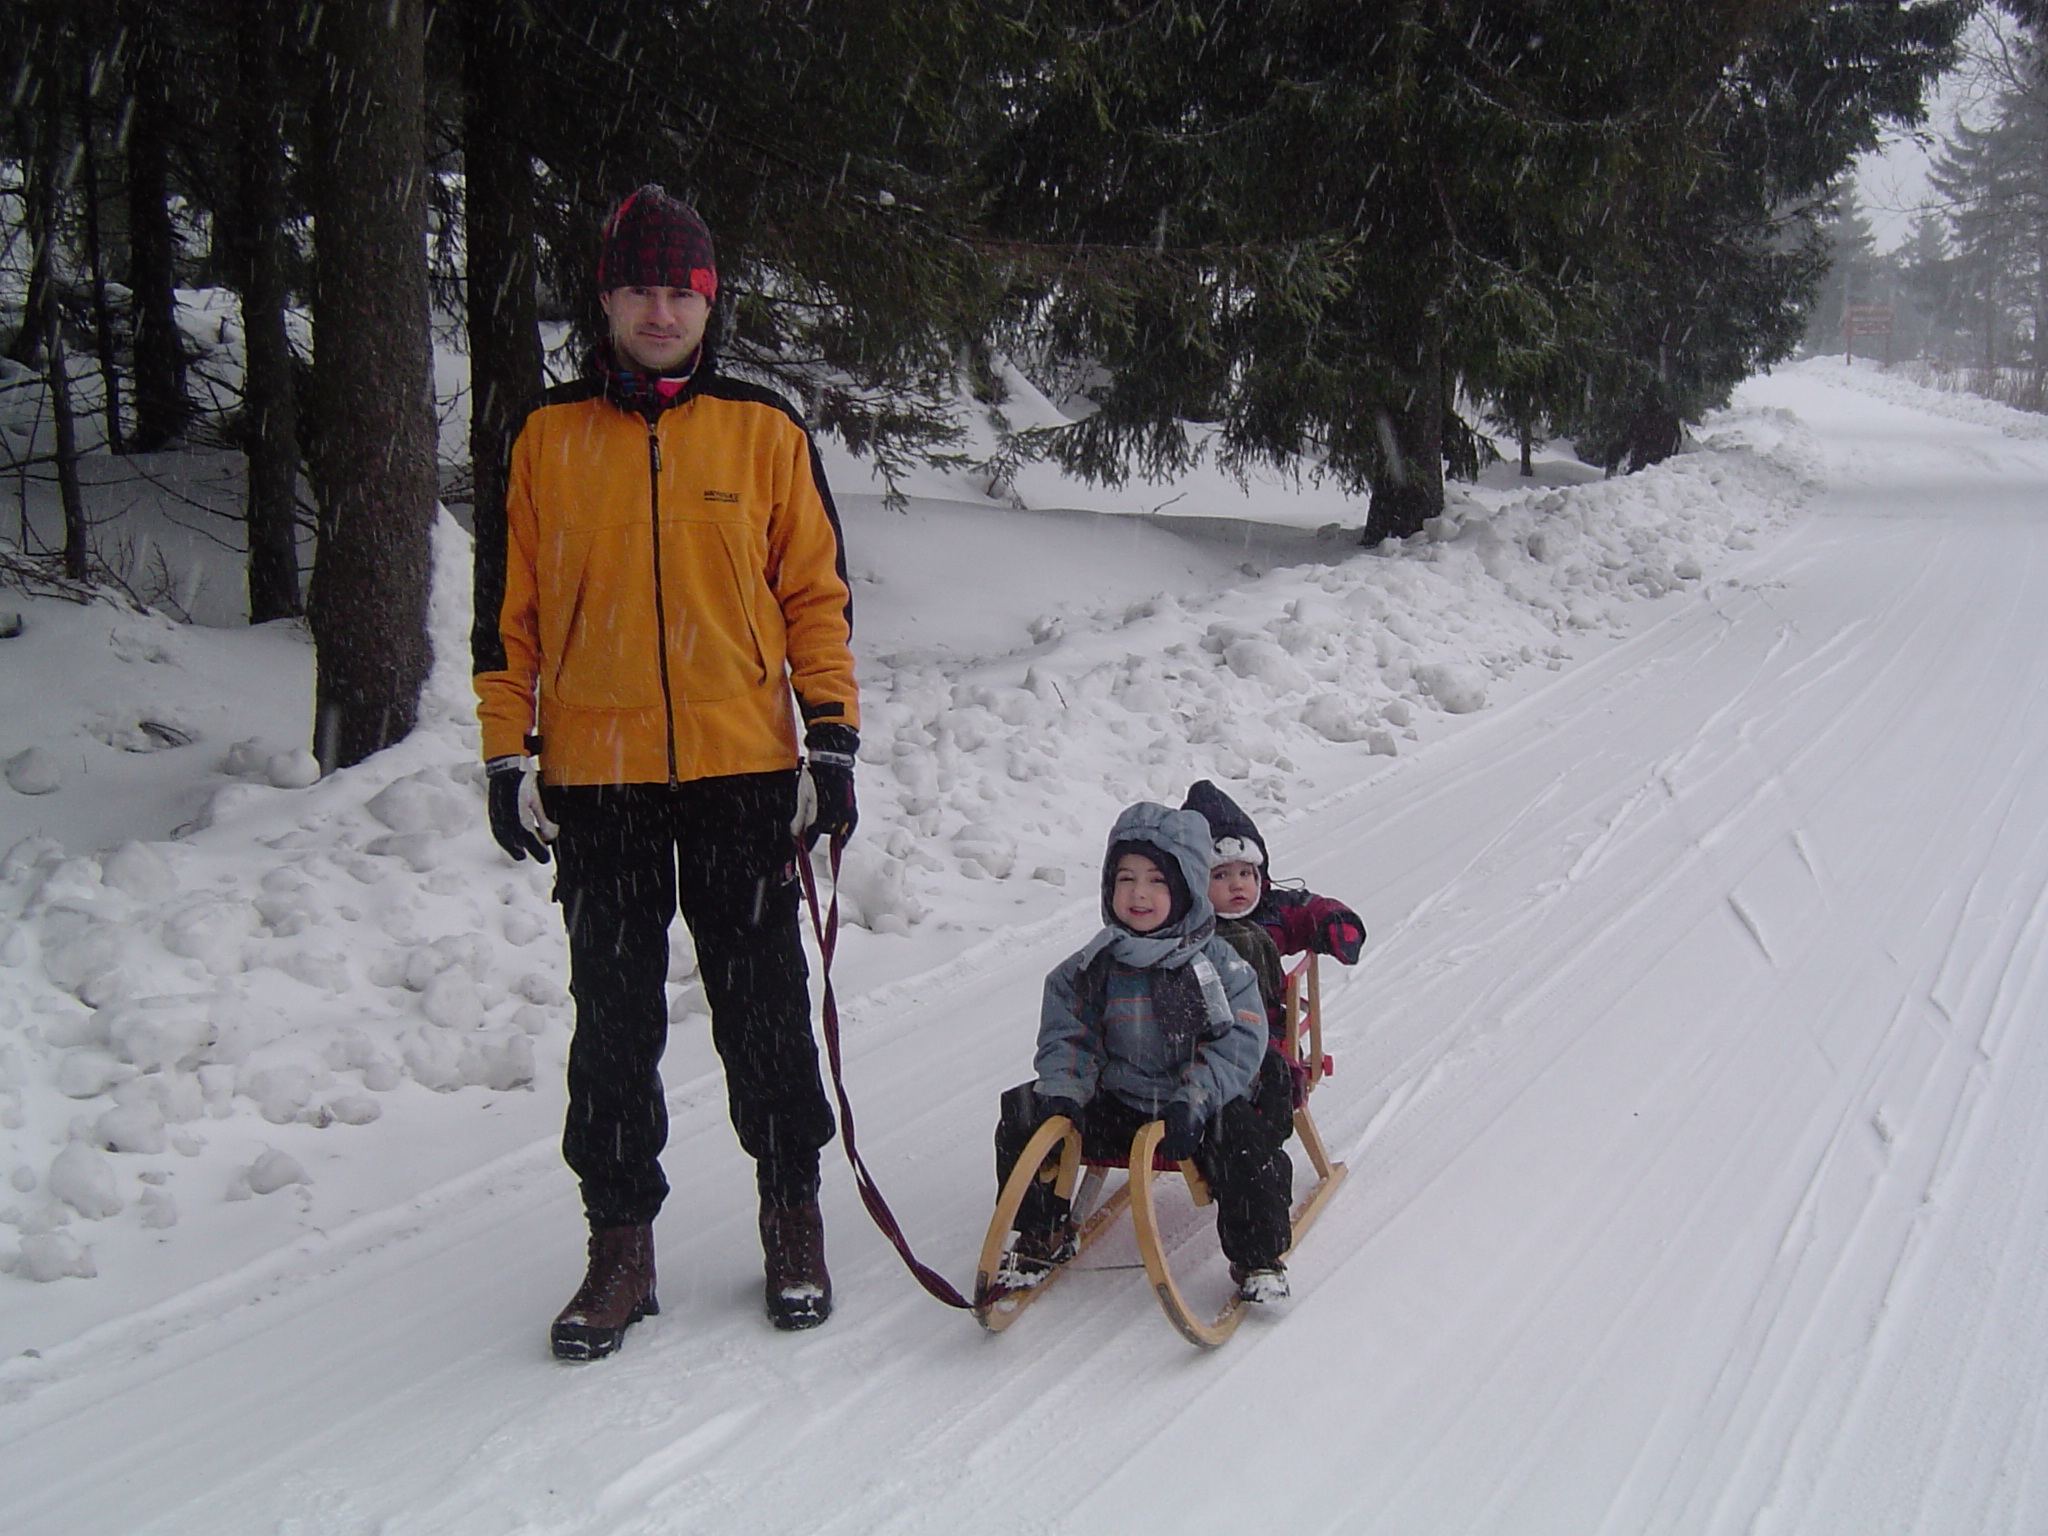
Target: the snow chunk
pixel 420 802
pixel 985 849
pixel 874 890
pixel 158 1032
pixel 1262 661
pixel 275 1170
pixel 33 772
pixel 354 1108
pixel 83 1179
pixel 1459 689
pixel 445 1060
pixel 215 931
pixel 1335 717
pixel 433 1057
pixel 54 1256
pixel 451 1000
pixel 132 1128
pixel 416 850
pixel 281 1089
pixel 523 927
pixel 157 1208
pixel 294 769
pixel 86 1073
pixel 500 1062
pixel 326 969
pixel 138 870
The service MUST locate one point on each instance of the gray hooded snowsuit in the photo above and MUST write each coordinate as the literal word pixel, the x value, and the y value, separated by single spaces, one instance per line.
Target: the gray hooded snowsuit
pixel 1105 1025
pixel 1133 1022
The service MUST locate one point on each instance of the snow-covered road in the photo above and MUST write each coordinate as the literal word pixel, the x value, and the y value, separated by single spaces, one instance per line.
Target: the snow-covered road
pixel 1693 1090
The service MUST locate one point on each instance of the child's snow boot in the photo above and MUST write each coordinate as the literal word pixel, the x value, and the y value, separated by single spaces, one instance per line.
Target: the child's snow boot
pixel 1035 1255
pixel 1264 1285
pixel 798 1290
pixel 617 1291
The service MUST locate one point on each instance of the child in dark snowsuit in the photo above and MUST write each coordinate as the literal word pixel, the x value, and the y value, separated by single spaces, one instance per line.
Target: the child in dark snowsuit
pixel 1155 1019
pixel 1296 919
pixel 1264 923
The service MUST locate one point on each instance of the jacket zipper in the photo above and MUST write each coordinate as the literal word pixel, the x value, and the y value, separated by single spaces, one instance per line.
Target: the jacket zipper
pixel 668 703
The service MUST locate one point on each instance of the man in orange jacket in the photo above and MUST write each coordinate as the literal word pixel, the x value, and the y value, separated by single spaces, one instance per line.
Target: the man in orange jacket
pixel 663 598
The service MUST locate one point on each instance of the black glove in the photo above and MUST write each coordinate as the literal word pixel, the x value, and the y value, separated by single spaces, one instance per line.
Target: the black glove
pixel 507 780
pixel 1183 1131
pixel 1050 1104
pixel 824 791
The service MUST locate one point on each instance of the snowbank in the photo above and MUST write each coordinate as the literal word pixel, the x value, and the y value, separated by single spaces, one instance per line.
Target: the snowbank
pixel 1871 378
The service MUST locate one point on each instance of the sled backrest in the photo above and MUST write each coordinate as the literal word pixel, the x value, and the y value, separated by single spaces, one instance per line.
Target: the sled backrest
pixel 1304 1042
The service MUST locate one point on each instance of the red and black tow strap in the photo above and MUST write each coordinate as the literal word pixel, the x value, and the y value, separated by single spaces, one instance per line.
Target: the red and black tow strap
pixel 826 928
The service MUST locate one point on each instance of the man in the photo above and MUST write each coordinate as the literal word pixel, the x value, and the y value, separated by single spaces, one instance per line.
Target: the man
pixel 667 571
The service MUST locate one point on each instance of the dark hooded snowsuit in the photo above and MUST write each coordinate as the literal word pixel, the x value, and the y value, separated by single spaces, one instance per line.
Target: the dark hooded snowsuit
pixel 1298 920
pixel 1284 922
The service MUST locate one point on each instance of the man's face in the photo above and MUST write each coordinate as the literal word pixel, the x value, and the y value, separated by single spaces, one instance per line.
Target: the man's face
pixel 655 329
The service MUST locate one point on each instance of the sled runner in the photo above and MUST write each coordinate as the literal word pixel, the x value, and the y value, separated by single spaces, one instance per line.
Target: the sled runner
pixel 1054 1153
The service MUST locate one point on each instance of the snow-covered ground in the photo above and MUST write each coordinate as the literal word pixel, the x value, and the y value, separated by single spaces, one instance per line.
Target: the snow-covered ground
pixel 1687 1082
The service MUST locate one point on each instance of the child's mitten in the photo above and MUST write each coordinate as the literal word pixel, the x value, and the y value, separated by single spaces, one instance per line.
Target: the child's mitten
pixel 1343 935
pixel 1183 1131
pixel 1051 1104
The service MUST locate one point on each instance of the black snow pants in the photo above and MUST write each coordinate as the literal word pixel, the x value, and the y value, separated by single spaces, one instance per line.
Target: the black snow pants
pixel 1242 1154
pixel 720 850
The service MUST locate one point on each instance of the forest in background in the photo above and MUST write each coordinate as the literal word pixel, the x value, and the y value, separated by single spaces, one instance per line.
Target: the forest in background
pixel 1364 240
pixel 1967 290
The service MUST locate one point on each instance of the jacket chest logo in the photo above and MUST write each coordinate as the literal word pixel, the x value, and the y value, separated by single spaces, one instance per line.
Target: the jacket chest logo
pixel 731 498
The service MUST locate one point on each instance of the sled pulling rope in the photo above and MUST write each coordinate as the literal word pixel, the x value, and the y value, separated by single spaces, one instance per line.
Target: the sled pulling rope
pixel 1054 1154
pixel 826 927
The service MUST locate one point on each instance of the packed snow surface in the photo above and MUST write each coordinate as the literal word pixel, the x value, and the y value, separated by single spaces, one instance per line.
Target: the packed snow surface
pixel 1694 1115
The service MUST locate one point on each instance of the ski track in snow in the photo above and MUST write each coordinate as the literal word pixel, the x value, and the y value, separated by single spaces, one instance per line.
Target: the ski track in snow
pixel 1692 1092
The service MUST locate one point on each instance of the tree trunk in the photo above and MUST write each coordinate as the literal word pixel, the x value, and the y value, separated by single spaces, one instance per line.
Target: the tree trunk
pixel 1655 433
pixel 504 321
pixel 270 436
pixel 77 548
pixel 1411 490
pixel 95 253
pixel 374 465
pixel 161 408
pixel 37 132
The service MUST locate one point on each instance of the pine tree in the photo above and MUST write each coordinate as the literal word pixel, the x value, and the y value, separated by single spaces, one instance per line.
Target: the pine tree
pixel 374 462
pixel 1994 180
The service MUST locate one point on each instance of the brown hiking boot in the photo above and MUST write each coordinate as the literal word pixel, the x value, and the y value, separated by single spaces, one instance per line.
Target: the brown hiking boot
pixel 799 1292
pixel 617 1291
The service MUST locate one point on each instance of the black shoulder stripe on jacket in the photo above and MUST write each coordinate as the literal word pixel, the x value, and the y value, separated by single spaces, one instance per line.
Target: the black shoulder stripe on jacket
pixel 486 643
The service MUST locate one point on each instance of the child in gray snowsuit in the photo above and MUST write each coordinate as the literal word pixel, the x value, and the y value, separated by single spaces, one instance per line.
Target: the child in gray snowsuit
pixel 1156 1018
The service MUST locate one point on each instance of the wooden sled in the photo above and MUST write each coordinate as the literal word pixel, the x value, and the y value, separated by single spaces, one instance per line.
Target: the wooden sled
pixel 1054 1153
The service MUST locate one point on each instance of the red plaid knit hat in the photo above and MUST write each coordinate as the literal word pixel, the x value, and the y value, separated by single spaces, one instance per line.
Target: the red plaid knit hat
pixel 653 241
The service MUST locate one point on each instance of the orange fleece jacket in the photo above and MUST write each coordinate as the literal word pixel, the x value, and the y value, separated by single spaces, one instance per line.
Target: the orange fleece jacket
pixel 661 648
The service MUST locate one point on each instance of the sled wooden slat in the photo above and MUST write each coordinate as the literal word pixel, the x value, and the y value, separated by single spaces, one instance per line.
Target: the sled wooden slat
pixel 995 1307
pixel 1145 1223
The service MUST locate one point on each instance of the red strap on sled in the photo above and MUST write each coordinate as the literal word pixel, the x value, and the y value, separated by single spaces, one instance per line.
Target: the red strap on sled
pixel 827 930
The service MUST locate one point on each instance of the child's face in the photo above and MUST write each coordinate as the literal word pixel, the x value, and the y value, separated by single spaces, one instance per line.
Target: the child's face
pixel 1139 894
pixel 1234 888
